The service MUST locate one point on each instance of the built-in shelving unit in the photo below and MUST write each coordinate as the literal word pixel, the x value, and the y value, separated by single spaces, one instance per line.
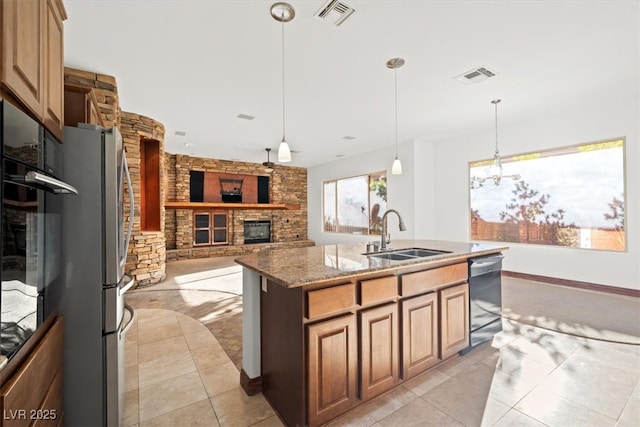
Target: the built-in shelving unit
pixel 207 205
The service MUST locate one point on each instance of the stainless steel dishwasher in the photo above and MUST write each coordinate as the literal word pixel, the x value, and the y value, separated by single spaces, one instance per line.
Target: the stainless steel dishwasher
pixel 485 297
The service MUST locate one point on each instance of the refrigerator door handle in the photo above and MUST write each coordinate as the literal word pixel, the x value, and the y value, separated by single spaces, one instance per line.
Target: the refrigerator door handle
pixel 126 327
pixel 131 207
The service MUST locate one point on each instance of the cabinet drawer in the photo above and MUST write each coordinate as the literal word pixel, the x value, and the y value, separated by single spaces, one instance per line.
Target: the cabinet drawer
pixel 326 301
pixel 28 387
pixel 378 290
pixel 428 280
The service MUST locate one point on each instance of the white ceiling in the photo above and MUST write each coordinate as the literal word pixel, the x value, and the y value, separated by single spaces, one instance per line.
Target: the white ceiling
pixel 195 65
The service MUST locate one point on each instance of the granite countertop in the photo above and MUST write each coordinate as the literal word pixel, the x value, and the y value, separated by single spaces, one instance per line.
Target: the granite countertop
pixel 294 267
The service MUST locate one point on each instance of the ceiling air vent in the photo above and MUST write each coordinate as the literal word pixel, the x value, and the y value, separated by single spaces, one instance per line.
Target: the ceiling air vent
pixel 335 12
pixel 476 75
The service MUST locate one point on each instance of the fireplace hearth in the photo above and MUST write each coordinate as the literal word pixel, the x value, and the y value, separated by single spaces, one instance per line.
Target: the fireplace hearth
pixel 257 231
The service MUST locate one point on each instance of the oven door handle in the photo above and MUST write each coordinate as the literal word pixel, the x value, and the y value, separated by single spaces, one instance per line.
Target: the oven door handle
pixel 55 185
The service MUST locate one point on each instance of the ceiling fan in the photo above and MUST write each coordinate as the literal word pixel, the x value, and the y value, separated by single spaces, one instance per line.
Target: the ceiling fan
pixel 268 165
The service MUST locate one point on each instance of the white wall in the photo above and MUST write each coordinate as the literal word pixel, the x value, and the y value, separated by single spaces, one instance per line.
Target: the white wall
pixel 433 193
pixel 400 191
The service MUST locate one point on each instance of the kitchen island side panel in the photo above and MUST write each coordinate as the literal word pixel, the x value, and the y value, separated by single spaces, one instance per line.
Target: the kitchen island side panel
pixel 282 341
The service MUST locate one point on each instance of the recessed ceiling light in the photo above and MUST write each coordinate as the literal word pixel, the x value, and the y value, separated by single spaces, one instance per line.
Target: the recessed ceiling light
pixel 180 133
pixel 339 155
pixel 245 116
pixel 188 144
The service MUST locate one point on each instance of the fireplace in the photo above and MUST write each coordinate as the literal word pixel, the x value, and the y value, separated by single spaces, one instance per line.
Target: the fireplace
pixel 257 231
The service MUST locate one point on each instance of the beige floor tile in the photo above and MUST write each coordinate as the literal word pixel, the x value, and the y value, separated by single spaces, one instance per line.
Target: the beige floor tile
pixel 131 414
pixel 169 347
pixel 157 370
pixel 201 339
pixel 418 413
pixel 166 396
pixel 626 356
pixel 235 408
pixel 546 347
pixel 554 410
pixel 131 351
pixel 131 378
pixel 630 416
pixel 468 405
pixel 503 387
pixel 602 388
pixel 515 418
pixel 425 382
pixel 376 409
pixel 199 414
pixel 209 357
pixel 455 365
pixel 220 379
pixel 273 421
pixel 512 362
pixel 157 332
pixel 190 325
pixel 152 315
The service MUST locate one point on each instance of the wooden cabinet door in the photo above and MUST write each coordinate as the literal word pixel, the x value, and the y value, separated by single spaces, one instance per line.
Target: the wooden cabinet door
pixel 54 72
pixel 454 315
pixel 419 334
pixel 332 365
pixel 379 349
pixel 22 66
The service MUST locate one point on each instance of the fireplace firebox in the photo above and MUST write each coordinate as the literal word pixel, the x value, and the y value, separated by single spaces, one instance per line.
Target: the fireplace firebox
pixel 257 231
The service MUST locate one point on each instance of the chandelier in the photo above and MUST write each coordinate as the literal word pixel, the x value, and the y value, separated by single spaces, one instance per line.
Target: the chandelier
pixel 495 169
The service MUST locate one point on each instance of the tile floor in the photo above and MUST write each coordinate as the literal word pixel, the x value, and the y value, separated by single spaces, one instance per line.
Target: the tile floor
pixel 178 372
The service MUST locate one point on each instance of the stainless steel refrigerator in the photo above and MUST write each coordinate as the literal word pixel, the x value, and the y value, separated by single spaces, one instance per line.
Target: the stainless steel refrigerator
pixel 95 250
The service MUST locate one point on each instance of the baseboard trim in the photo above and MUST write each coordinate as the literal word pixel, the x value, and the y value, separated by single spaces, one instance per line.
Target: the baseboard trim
pixel 574 284
pixel 250 386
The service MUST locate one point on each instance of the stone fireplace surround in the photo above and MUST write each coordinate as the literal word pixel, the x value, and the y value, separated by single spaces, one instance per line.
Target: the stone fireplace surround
pixel 287 185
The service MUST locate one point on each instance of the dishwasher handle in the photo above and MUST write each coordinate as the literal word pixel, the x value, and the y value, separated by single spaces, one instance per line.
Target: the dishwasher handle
pixel 486 264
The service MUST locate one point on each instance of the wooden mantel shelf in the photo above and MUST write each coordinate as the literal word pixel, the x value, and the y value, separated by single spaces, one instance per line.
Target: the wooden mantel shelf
pixel 204 205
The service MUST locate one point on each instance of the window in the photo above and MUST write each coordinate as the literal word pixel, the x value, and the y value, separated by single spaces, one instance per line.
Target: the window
pixel 571 196
pixel 355 205
pixel 210 228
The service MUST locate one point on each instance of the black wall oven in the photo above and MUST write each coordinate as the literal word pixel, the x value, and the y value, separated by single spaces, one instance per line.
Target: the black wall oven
pixel 31 227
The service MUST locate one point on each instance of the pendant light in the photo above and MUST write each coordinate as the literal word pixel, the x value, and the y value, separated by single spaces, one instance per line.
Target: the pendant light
pixel 495 169
pixel 283 12
pixel 395 63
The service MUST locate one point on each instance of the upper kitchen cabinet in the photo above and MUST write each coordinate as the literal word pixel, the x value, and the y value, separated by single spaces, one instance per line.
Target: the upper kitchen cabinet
pixel 31 63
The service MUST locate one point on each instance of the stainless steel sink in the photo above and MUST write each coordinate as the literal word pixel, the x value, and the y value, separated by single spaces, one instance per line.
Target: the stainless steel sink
pixel 407 254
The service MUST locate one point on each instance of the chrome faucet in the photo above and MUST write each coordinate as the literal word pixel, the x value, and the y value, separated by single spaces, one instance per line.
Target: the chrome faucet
pixel 383 241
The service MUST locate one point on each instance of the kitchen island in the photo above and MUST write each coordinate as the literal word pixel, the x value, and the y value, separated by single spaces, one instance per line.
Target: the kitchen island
pixel 326 328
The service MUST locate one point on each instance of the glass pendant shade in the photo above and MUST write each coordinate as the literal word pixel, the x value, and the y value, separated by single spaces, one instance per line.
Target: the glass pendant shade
pixel 396 168
pixel 495 170
pixel 284 153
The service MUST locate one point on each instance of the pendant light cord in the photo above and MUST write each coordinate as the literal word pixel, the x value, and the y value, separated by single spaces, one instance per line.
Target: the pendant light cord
pixel 395 74
pixel 495 103
pixel 283 111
